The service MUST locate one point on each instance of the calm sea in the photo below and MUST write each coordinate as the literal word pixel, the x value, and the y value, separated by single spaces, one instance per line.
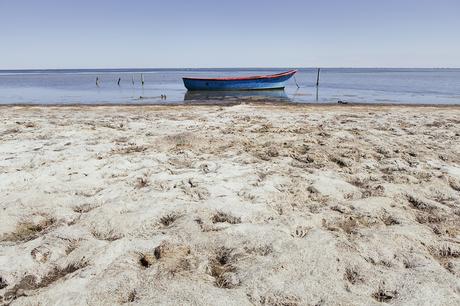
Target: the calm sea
pixel 422 86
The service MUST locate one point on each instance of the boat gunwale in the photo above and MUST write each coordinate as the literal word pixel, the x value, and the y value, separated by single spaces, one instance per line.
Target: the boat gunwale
pixel 247 78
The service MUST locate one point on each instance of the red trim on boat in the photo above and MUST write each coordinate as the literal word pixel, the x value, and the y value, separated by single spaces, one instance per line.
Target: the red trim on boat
pixel 272 76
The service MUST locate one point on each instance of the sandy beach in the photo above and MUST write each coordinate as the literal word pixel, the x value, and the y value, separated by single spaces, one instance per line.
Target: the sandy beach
pixel 230 205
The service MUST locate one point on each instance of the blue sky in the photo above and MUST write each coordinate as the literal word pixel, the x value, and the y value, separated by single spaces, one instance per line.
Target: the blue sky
pixel 232 33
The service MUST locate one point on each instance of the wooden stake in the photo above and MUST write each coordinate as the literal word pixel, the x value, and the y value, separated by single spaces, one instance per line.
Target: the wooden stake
pixel 297 84
pixel 317 77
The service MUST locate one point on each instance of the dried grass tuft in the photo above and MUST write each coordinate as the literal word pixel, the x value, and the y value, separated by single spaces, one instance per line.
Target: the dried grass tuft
pixel 454 184
pixel 352 275
pixel 300 232
pixel 222 217
pixel 142 182
pixel 223 270
pixel 107 235
pixel 30 282
pixel 84 208
pixel 169 219
pixel 3 283
pixel 384 295
pixel 168 258
pixel 131 148
pixel 29 230
pixel 419 203
pixel 389 220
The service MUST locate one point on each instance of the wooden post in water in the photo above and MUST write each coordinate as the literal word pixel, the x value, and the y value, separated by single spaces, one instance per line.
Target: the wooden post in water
pixel 142 79
pixel 297 84
pixel 317 77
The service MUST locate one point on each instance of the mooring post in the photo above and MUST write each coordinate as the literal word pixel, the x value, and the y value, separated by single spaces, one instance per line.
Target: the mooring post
pixel 297 84
pixel 317 77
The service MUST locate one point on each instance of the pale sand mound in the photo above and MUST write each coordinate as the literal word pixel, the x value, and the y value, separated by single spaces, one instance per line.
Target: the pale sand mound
pixel 264 205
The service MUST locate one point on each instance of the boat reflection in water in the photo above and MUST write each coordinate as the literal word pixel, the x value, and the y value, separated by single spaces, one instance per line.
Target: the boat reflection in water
pixel 235 96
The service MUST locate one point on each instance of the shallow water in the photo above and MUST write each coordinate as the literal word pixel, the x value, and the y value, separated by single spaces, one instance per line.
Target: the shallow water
pixel 418 86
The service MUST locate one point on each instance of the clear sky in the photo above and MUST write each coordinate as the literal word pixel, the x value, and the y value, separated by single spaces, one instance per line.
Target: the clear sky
pixel 231 33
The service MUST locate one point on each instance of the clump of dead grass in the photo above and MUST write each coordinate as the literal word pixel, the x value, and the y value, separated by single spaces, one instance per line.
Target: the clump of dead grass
pixel 73 244
pixel 132 297
pixel 262 250
pixel 169 219
pixel 429 218
pixel 40 253
pixel 349 225
pixel 10 131
pixel 389 219
pixel 128 149
pixel 368 186
pixel 384 295
pixel 182 140
pixel 222 217
pixel 278 298
pixel 223 270
pixel 341 161
pixel 146 260
pixel 304 159
pixel 441 196
pixel 30 124
pixel 373 191
pixel 267 152
pixel 447 251
pixel 419 203
pixel 29 230
pixel 192 188
pixel 31 282
pixel 454 184
pixel 169 258
pixel 142 182
pixel 386 152
pixel 409 263
pixel 444 254
pixel 300 232
pixel 3 283
pixel 109 234
pixel 352 275
pixel 113 125
pixel 172 258
pixel 84 208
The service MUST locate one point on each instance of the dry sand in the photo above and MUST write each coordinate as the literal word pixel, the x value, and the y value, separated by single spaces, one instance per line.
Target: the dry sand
pixel 240 205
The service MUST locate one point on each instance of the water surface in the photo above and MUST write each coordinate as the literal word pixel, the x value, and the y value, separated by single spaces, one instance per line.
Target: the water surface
pixel 417 86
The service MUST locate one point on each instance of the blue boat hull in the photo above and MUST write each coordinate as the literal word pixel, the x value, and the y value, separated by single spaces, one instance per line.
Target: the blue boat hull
pixel 277 81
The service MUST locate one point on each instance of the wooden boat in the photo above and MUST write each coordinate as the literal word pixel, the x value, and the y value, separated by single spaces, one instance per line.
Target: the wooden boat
pixel 275 81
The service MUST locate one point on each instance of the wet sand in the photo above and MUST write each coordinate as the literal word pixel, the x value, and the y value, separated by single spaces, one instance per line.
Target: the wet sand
pixel 237 205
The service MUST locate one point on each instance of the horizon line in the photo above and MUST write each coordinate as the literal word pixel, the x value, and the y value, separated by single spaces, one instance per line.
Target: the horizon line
pixel 203 68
